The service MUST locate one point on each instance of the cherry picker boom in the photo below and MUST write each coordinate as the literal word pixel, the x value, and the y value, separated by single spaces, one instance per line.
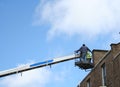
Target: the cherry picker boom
pixel 46 63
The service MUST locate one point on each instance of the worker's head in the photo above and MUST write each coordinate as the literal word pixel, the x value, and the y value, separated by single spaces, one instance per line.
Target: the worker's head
pixel 83 44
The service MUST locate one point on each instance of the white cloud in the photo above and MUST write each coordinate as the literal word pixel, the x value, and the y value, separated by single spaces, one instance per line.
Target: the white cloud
pixel 81 17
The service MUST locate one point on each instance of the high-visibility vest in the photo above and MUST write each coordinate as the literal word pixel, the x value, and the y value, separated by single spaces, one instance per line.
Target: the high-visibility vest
pixel 88 55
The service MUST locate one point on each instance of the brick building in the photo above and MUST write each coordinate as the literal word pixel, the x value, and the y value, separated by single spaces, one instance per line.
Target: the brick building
pixel 106 71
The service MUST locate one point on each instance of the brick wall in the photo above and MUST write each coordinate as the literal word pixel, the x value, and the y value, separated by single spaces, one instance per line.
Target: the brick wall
pixel 116 71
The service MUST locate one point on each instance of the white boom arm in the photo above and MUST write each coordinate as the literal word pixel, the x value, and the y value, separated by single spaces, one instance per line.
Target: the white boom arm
pixel 37 65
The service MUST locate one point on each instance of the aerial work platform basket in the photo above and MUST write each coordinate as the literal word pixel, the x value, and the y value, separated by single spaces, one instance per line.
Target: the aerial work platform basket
pixel 84 65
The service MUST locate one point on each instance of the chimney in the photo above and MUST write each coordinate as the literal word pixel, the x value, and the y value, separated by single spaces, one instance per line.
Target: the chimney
pixel 97 55
pixel 115 48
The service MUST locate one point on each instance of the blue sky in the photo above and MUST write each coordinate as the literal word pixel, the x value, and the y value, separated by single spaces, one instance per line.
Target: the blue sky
pixel 37 30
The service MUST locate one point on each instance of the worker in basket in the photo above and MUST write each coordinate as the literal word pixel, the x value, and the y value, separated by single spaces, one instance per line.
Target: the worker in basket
pixel 88 57
pixel 83 51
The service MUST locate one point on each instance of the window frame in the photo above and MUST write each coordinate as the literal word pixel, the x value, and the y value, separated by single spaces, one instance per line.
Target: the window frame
pixel 104 74
pixel 88 83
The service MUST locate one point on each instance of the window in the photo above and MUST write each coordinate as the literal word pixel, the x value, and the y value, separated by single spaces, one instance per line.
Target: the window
pixel 88 83
pixel 103 75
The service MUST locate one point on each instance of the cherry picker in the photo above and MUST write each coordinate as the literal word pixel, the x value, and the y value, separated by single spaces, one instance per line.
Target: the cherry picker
pixel 80 64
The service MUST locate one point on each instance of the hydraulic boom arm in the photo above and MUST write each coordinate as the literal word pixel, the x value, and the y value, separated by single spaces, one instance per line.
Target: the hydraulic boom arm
pixel 37 65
